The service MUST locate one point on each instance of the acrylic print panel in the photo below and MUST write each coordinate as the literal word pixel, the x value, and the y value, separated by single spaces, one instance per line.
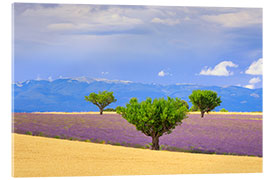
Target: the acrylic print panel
pixel 76 65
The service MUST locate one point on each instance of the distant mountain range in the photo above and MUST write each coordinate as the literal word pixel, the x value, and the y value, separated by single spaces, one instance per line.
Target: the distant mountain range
pixel 67 94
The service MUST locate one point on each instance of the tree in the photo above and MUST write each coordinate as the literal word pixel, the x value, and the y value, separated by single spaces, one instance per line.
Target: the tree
pixel 193 108
pixel 185 103
pixel 110 110
pixel 154 118
pixel 223 110
pixel 101 100
pixel 204 100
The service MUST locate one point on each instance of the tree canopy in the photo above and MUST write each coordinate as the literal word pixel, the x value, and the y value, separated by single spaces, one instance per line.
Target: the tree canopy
pixel 185 103
pixel 194 108
pixel 204 100
pixel 154 118
pixel 101 100
pixel 223 110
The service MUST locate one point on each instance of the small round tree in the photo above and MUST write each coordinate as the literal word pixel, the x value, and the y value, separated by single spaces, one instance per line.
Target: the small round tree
pixel 154 118
pixel 204 100
pixel 101 100
pixel 223 110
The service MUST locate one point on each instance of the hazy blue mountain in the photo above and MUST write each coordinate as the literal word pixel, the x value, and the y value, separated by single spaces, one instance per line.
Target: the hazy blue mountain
pixel 67 94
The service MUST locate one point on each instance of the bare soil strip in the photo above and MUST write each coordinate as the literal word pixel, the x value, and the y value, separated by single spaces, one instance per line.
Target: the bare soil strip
pixel 46 157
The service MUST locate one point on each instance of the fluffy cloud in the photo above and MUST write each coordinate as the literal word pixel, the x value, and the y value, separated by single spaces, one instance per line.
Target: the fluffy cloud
pixel 255 95
pixel 83 18
pixel 236 19
pixel 50 78
pixel 254 80
pixel 104 73
pixel 249 86
pixel 163 73
pixel 219 70
pixel 113 22
pixel 255 68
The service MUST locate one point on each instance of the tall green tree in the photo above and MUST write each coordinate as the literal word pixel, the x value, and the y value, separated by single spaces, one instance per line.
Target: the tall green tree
pixel 185 103
pixel 204 100
pixel 101 100
pixel 154 118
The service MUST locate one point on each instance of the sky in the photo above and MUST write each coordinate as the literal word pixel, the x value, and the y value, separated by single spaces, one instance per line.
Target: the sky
pixel 148 44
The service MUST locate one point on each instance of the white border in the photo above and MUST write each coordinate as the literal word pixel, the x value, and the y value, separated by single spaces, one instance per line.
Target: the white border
pixel 5 10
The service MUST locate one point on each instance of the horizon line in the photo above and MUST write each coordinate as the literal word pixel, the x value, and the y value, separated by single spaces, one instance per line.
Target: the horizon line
pixel 88 79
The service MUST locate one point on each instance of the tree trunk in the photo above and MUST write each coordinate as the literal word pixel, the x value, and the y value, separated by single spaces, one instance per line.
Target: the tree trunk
pixel 155 143
pixel 100 111
pixel 202 114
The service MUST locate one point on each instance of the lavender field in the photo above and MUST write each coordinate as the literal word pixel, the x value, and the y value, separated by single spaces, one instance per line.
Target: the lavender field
pixel 221 134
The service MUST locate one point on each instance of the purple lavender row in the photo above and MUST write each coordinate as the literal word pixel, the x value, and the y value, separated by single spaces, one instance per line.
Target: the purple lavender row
pixel 221 134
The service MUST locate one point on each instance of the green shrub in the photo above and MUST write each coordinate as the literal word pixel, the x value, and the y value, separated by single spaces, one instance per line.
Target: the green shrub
pixel 162 147
pixel 29 133
pixel 223 110
pixel 41 134
pixel 102 142
pixel 110 110
pixel 147 146
pixel 116 144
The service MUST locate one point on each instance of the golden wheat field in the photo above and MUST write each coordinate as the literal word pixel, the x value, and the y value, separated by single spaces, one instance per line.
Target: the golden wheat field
pixel 46 157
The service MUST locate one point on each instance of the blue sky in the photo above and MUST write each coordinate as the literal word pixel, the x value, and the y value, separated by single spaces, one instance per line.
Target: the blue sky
pixel 150 44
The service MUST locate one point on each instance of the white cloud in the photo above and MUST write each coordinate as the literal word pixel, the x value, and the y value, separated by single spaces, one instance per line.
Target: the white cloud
pixel 249 86
pixel 104 73
pixel 255 68
pixel 236 19
pixel 112 81
pixel 110 23
pixel 254 80
pixel 50 78
pixel 219 70
pixel 167 21
pixel 38 78
pixel 254 95
pixel 163 73
pixel 83 18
